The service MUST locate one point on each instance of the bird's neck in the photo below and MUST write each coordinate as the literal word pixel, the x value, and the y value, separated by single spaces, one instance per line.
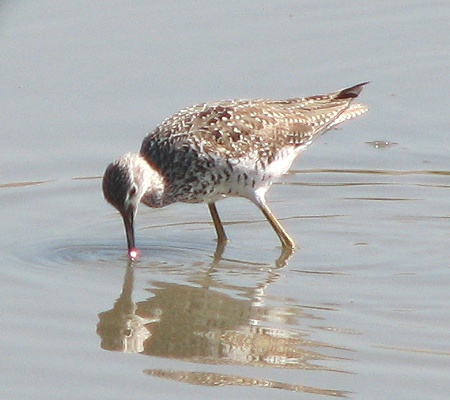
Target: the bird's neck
pixel 156 193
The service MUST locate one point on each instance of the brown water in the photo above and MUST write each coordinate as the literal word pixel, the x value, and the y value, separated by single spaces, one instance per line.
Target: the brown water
pixel 361 308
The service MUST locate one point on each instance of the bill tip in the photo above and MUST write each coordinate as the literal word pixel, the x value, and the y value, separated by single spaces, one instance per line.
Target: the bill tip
pixel 134 254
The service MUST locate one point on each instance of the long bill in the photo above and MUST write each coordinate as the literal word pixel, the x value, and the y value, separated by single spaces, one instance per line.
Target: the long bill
pixel 128 220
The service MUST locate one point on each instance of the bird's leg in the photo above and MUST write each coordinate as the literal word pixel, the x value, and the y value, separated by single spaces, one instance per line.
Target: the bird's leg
pixel 286 240
pixel 221 235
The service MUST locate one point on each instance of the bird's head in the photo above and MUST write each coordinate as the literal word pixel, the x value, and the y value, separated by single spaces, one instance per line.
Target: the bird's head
pixel 124 184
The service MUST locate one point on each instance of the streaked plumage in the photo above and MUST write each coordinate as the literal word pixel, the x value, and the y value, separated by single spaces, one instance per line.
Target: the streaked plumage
pixel 228 148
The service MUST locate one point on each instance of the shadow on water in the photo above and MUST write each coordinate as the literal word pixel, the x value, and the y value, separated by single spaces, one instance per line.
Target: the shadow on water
pixel 199 322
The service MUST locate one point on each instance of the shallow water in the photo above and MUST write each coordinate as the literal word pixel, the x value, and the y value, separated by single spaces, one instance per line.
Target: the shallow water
pixel 360 310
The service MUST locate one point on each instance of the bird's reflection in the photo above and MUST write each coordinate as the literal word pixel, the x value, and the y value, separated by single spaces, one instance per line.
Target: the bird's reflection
pixel 200 322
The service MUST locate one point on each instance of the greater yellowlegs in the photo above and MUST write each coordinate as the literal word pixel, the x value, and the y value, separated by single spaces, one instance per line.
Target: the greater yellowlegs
pixel 227 148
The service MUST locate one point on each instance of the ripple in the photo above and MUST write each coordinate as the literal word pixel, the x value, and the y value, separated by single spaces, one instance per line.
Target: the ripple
pixel 82 255
pixel 50 257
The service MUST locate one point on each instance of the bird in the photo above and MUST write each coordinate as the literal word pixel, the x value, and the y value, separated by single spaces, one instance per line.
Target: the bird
pixel 228 148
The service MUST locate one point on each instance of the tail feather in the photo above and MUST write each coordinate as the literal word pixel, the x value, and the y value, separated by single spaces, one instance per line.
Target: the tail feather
pixel 351 92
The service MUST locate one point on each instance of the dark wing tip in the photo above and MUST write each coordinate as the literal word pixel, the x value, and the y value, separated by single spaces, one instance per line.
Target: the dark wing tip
pixel 351 92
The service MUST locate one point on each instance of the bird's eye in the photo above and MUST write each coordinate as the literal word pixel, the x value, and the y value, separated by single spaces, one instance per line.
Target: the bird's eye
pixel 133 191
